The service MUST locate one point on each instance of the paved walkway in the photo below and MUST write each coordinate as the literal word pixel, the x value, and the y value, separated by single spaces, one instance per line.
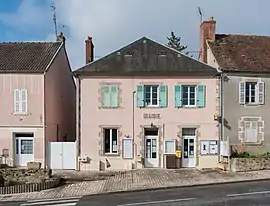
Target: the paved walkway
pixel 105 182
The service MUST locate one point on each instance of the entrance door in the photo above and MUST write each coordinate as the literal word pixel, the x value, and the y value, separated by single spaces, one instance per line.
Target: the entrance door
pixel 24 150
pixel 189 151
pixel 151 151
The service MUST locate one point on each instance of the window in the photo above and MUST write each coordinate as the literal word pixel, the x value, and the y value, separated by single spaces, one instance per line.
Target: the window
pixel 151 95
pixel 20 101
pixel 250 92
pixel 189 95
pixel 111 141
pixel 110 96
pixel 251 131
pixel 169 146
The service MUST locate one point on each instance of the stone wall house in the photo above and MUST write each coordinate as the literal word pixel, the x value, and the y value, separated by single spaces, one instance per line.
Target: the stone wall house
pixel 245 63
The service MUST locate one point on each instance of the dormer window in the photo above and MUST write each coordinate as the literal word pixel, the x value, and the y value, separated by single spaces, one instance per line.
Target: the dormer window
pixel 161 53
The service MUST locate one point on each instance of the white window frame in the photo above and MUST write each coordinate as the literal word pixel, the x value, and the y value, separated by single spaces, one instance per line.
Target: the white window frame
pixel 110 139
pixel 169 140
pixel 188 86
pixel 20 101
pixel 151 94
pixel 249 92
pixel 251 124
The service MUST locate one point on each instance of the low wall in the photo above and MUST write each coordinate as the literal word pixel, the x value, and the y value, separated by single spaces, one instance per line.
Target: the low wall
pixel 250 164
pixel 15 176
pixel 32 187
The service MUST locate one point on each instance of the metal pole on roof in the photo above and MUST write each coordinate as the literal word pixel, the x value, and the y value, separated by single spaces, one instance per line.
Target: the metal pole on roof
pixel 54 20
pixel 200 12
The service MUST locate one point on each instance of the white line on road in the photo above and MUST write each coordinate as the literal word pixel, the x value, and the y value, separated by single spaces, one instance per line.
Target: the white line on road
pixel 54 199
pixel 154 202
pixel 248 193
pixel 66 202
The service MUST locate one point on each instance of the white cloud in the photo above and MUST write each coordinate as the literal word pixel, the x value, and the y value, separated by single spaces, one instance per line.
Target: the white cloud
pixel 113 24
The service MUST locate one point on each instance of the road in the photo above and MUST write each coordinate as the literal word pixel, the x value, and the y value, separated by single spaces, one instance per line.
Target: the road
pixel 234 194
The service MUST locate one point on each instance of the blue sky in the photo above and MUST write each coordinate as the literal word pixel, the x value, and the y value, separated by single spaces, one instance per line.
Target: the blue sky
pixel 115 23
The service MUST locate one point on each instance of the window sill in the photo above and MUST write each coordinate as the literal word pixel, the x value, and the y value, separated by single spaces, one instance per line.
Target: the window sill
pixel 102 107
pixel 253 143
pixel 252 104
pixel 21 114
pixel 111 154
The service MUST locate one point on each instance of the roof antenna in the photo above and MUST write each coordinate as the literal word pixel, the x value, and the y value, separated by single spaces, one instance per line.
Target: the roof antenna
pixel 201 15
pixel 54 20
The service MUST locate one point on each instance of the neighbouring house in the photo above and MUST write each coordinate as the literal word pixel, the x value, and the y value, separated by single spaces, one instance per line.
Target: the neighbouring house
pixel 245 63
pixel 39 100
pixel 140 105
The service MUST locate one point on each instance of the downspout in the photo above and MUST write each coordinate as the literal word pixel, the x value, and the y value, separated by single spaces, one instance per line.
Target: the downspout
pixel 78 120
pixel 133 130
pixel 221 136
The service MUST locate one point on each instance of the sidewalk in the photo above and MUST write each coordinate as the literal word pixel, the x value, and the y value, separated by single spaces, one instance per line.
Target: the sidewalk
pixel 106 182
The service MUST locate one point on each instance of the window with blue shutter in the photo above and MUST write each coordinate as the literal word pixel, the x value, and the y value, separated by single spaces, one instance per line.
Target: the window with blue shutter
pixel 106 96
pixel 163 95
pixel 140 95
pixel 178 95
pixel 114 96
pixel 201 96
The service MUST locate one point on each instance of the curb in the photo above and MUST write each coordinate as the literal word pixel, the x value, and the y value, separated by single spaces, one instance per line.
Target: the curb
pixel 179 186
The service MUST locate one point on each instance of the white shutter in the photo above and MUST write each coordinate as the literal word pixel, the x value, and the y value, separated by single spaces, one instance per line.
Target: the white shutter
pixel 16 100
pixel 261 92
pixel 24 101
pixel 242 89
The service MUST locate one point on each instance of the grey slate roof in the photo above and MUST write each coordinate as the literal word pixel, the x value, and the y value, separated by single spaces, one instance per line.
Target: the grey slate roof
pixel 146 57
pixel 26 57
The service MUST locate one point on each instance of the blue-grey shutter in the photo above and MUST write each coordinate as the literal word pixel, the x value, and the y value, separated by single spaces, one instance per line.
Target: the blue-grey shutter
pixel 178 95
pixel 140 95
pixel 163 95
pixel 114 96
pixel 106 96
pixel 201 96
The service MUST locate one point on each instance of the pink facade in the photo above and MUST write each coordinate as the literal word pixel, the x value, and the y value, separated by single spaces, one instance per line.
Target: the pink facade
pixel 132 122
pixel 33 105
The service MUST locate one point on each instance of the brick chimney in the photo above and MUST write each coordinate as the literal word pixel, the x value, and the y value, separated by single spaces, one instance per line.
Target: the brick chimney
pixel 207 32
pixel 61 37
pixel 89 50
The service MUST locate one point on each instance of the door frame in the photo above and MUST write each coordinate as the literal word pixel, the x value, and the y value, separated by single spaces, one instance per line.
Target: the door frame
pixel 156 160
pixel 188 137
pixel 17 157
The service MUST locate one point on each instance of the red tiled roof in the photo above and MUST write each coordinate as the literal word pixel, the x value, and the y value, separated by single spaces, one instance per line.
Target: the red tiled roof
pixel 26 57
pixel 247 53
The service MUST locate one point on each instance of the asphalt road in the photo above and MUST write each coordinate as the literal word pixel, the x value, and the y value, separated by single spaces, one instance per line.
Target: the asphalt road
pixel 236 194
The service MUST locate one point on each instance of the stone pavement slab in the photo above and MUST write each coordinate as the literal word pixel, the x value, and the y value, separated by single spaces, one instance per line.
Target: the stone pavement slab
pixel 106 182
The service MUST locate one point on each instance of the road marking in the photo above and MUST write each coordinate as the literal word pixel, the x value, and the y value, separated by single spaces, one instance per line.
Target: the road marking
pixel 154 202
pixel 55 202
pixel 54 199
pixel 248 193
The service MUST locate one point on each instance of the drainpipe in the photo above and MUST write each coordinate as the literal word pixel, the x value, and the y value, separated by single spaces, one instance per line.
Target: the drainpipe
pixel 221 136
pixel 78 119
pixel 133 129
